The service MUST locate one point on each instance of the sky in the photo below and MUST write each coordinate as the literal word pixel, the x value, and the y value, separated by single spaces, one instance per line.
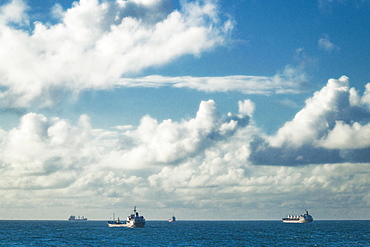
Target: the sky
pixel 209 110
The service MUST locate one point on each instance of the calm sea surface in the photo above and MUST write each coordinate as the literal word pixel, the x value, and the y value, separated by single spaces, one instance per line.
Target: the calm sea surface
pixel 185 233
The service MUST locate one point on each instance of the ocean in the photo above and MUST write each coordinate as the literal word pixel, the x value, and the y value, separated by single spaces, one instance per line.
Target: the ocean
pixel 185 233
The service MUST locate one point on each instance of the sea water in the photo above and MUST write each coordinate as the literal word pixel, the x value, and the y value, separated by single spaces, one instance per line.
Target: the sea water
pixel 185 233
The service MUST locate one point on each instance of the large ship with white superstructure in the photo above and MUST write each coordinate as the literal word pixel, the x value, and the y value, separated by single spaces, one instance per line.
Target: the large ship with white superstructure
pixel 133 220
pixel 304 218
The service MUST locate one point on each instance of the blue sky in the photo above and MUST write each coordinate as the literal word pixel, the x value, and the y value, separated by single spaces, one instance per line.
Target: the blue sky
pixel 242 110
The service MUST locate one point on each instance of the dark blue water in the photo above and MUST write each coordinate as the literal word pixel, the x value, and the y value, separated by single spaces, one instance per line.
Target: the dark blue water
pixel 185 233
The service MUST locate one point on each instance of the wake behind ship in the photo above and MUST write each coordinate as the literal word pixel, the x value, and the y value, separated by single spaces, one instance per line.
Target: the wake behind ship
pixel 304 218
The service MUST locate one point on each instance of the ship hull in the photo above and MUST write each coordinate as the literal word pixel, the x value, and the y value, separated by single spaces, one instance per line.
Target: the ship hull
pixel 297 221
pixel 135 224
pixel 116 225
pixel 129 224
pixel 301 220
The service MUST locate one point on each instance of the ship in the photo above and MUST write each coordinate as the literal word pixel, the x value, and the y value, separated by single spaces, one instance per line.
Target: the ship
pixel 116 223
pixel 74 218
pixel 133 221
pixel 304 218
pixel 172 219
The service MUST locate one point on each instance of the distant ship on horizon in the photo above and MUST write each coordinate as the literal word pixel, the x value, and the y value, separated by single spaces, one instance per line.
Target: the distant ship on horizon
pixel 172 219
pixel 304 218
pixel 78 218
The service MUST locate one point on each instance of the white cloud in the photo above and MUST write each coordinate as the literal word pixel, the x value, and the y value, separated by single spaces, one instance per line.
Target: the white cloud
pixel 347 136
pixel 246 108
pixel 291 80
pixel 94 44
pixel 69 147
pixel 366 98
pixel 331 114
pixel 124 127
pixel 57 11
pixel 331 128
pixel 326 44
pixel 13 12
pixel 311 121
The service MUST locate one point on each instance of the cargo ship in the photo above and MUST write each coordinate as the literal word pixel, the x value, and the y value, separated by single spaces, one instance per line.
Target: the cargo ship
pixel 74 218
pixel 304 218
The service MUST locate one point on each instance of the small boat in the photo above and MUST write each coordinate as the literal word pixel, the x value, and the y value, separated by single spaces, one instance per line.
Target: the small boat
pixel 173 219
pixel 116 223
pixel 304 218
pixel 134 220
pixel 74 218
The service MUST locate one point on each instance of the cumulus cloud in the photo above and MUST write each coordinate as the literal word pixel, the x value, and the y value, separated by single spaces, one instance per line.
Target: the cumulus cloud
pixel 246 108
pixel 331 128
pixel 75 148
pixel 94 44
pixel 347 136
pixel 316 116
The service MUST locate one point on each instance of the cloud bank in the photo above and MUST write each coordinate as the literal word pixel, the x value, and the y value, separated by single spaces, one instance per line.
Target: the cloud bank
pixel 193 164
